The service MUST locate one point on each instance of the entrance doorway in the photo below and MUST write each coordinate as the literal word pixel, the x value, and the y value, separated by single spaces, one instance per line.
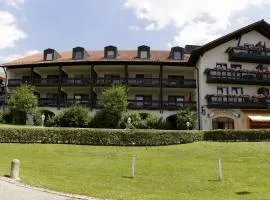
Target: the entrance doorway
pixel 223 123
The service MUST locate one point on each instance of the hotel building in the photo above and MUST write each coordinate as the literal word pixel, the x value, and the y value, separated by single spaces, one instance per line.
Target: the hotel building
pixel 225 82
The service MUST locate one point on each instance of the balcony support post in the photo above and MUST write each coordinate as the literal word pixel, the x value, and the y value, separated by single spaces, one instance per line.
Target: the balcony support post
pixel 59 86
pixel 91 96
pixel 32 76
pixel 161 88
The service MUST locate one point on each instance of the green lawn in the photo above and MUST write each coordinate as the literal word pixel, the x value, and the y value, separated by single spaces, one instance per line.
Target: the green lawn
pixel 172 172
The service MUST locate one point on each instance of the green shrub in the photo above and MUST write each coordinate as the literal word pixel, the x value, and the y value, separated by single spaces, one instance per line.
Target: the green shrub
pixel 1 116
pixel 104 119
pixel 37 118
pixel 237 135
pixel 119 137
pixel 185 115
pixel 75 116
pixel 135 120
pixel 7 116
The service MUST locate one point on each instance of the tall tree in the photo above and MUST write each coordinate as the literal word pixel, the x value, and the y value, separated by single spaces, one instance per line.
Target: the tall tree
pixel 113 105
pixel 22 102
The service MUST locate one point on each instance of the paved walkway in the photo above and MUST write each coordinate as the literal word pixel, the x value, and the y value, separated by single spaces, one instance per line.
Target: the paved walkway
pixel 11 190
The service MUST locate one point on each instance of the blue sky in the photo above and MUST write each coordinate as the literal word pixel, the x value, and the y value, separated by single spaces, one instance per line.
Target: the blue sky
pixel 29 26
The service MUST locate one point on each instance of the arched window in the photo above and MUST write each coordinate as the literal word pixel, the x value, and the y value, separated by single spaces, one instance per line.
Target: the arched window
pixel 223 123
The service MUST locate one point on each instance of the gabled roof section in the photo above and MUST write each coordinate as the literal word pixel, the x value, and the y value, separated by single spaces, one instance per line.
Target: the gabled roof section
pixel 261 26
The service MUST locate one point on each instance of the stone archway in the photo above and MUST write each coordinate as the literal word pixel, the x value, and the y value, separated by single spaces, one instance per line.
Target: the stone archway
pixel 223 123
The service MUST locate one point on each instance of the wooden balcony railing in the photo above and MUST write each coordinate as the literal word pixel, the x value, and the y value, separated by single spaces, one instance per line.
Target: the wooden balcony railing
pixel 46 82
pixel 242 102
pixel 175 105
pixel 249 54
pixel 76 81
pixel 47 102
pixel 144 82
pixel 238 77
pixel 108 81
pixel 179 83
pixel 18 82
pixel 143 104
pixel 70 102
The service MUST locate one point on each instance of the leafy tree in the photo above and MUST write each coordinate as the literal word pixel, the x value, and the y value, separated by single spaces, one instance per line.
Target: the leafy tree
pixel 75 116
pixel 22 102
pixel 183 116
pixel 113 106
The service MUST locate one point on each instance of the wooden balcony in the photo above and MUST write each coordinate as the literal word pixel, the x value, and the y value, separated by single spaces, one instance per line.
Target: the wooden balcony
pixel 179 83
pixel 46 82
pixel 144 82
pixel 141 104
pixel 107 82
pixel 70 102
pixel 76 81
pixel 47 102
pixel 176 105
pixel 237 77
pixel 227 101
pixel 17 82
pixel 249 54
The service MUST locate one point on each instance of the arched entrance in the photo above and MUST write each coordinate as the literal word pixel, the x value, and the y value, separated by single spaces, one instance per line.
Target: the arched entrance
pixel 171 122
pixel 223 123
pixel 48 114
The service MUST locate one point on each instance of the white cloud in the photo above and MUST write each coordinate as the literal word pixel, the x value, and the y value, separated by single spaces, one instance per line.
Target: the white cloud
pixel 15 3
pixel 198 21
pixel 12 57
pixel 10 33
pixel 134 28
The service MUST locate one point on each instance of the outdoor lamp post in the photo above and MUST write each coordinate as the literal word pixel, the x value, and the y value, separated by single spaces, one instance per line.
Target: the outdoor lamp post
pixel 129 122
pixel 188 124
pixel 43 119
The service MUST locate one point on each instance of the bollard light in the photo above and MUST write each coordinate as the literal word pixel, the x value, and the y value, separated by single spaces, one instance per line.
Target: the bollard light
pixel 15 169
pixel 43 119
pixel 188 124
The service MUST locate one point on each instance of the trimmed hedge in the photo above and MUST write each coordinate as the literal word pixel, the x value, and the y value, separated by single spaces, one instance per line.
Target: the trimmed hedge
pixel 237 135
pixel 123 137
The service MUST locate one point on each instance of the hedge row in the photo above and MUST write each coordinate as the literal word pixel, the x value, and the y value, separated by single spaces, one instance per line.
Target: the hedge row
pixel 117 137
pixel 237 135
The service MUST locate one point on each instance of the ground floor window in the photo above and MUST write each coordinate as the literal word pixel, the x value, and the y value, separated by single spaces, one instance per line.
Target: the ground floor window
pixel 223 123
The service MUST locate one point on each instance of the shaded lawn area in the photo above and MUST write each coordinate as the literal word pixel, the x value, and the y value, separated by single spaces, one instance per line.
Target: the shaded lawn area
pixel 171 172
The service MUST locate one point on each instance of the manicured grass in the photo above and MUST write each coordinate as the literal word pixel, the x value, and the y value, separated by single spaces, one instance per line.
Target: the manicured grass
pixel 172 172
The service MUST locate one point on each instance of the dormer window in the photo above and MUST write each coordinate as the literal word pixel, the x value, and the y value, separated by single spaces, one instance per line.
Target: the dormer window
pixel 79 53
pixel 177 53
pixel 110 52
pixel 50 55
pixel 143 52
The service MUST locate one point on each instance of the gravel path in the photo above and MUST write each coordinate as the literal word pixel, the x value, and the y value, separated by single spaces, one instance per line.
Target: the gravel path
pixel 11 190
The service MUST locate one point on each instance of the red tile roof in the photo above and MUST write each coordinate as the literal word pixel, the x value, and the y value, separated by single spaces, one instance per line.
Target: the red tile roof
pixel 126 55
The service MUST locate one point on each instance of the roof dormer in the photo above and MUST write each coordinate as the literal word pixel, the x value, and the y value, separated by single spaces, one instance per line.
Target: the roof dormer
pixel 79 53
pixel 177 53
pixel 50 55
pixel 143 52
pixel 110 52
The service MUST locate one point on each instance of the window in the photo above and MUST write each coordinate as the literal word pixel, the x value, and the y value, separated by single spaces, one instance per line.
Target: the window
pixel 78 55
pixel 110 54
pixel 177 55
pixel 80 98
pixel 176 101
pixel 237 90
pixel 223 123
pixel 49 56
pixel 222 90
pixel 144 54
pixel 142 100
pixel 221 65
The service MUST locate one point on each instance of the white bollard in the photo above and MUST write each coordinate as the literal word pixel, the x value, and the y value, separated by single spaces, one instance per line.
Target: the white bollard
pixel 15 169
pixel 219 170
pixel 133 166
